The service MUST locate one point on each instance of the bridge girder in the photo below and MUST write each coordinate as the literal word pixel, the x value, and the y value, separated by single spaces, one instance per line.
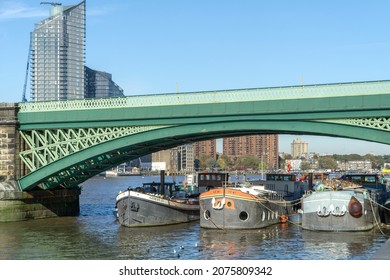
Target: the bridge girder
pixel 67 142
pixel 109 151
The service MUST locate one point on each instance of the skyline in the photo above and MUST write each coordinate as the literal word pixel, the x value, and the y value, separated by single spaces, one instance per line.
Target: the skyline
pixel 172 46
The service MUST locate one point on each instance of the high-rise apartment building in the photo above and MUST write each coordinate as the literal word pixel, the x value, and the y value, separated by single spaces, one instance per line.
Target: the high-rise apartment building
pixel 185 158
pixel 100 84
pixel 299 148
pixel 207 147
pixel 57 50
pixel 264 147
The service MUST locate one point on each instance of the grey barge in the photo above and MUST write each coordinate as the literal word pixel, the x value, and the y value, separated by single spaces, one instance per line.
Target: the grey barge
pixel 156 204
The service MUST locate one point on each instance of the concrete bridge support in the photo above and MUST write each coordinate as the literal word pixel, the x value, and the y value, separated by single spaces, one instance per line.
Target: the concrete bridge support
pixel 17 205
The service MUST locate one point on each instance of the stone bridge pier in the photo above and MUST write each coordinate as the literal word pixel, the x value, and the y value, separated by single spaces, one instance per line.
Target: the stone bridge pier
pixel 17 205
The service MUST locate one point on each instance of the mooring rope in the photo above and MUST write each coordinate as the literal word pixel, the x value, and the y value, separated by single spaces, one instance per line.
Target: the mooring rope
pixel 373 213
pixel 276 203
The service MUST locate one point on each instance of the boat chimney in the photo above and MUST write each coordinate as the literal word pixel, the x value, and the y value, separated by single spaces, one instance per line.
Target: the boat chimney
pixel 311 176
pixel 162 181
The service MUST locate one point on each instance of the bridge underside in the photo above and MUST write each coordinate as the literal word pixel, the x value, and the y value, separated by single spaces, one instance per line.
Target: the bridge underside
pixel 64 158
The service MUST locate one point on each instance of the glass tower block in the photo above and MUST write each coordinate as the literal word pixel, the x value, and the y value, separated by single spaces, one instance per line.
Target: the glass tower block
pixel 58 55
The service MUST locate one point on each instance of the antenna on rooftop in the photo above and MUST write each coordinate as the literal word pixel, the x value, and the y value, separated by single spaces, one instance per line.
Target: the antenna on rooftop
pixel 51 3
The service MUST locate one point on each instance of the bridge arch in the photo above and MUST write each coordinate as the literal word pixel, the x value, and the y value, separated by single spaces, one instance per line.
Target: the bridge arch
pixel 67 142
pixel 77 167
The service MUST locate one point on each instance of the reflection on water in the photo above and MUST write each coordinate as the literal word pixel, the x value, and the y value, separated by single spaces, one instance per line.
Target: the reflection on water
pixel 337 245
pixel 95 234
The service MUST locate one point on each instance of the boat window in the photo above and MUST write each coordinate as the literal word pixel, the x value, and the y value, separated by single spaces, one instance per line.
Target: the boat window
pixel 243 216
pixel 369 179
pixel 271 177
pixel 219 177
pixel 286 178
pixel 208 177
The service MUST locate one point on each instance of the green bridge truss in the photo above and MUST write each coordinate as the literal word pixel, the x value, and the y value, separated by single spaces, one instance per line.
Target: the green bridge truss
pixel 66 142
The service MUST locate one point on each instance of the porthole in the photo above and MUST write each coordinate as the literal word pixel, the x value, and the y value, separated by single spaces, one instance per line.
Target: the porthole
pixel 229 204
pixel 206 214
pixel 243 216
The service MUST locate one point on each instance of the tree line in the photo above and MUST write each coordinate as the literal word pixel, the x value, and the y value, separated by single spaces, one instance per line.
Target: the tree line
pixel 223 162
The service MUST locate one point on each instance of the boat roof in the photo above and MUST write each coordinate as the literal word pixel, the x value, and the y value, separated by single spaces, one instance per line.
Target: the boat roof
pixel 158 184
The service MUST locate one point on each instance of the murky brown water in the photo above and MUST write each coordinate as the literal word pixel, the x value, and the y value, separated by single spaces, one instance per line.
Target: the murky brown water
pixel 95 234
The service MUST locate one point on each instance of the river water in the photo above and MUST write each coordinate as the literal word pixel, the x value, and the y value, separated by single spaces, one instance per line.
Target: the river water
pixel 96 235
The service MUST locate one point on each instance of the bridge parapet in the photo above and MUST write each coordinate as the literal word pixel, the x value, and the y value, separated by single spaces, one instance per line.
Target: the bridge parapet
pixel 209 97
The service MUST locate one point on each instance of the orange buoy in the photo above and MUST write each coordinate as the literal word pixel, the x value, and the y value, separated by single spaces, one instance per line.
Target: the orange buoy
pixel 283 218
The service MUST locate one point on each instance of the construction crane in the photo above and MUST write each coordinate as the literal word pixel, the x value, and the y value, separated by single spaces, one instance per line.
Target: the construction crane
pixel 51 3
pixel 24 99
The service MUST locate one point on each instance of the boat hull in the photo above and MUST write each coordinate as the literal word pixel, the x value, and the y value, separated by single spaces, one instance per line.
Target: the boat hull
pixel 137 209
pixel 233 209
pixel 338 211
pixel 386 212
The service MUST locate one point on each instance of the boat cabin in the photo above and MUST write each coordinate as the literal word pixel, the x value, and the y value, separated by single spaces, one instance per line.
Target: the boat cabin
pixel 208 180
pixel 366 180
pixel 155 187
pixel 286 185
pixel 280 177
pixel 316 178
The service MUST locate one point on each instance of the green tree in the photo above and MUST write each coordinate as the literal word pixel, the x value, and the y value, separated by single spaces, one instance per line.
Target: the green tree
pixel 212 163
pixel 327 162
pixel 224 162
pixel 305 165
pixel 248 161
pixel 203 161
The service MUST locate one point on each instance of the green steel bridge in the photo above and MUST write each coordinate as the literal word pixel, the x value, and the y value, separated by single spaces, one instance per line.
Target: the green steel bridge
pixel 66 142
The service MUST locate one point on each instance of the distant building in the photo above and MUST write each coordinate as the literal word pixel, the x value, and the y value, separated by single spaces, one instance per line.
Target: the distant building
pixel 185 158
pixel 179 159
pixel 264 147
pixel 207 147
pixel 299 148
pixel 161 160
pixel 358 165
pixel 100 84
pixel 293 165
pixel 57 51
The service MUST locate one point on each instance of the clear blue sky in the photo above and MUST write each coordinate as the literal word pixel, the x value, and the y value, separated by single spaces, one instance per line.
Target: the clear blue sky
pixel 154 46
